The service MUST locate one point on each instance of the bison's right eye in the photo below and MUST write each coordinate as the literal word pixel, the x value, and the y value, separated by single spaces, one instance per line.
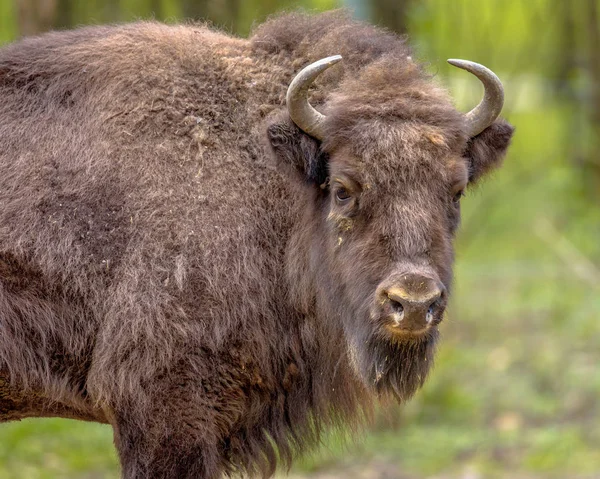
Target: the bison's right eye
pixel 342 195
pixel 457 196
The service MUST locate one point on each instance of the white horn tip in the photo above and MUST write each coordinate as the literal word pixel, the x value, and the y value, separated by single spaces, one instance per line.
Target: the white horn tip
pixel 333 59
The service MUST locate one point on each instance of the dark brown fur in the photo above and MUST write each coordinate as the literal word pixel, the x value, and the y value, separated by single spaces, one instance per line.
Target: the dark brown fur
pixel 168 267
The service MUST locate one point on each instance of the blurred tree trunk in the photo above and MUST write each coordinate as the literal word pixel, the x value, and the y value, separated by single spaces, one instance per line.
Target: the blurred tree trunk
pixel 110 10
pixel 36 16
pixel 233 12
pixel 360 8
pixel 592 164
pixel 578 56
pixel 222 13
pixel 567 50
pixel 195 9
pixel 392 14
pixel 64 15
pixel 156 6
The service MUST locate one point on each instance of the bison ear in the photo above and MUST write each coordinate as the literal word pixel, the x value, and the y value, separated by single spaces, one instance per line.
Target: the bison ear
pixel 294 147
pixel 485 151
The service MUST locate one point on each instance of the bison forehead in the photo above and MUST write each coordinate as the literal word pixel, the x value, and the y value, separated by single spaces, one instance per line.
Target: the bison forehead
pixel 411 139
pixel 392 99
pixel 415 163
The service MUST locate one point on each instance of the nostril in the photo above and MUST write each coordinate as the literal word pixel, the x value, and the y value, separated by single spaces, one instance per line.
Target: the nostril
pixel 395 298
pixel 397 306
pixel 434 310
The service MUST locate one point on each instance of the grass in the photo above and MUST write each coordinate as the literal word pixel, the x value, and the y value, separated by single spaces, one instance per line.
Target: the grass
pixel 56 448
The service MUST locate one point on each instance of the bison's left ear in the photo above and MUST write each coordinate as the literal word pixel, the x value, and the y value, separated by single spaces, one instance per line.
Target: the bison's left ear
pixel 294 147
pixel 486 151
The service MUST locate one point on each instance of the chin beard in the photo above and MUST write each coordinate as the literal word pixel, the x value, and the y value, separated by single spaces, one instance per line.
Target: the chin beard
pixel 395 366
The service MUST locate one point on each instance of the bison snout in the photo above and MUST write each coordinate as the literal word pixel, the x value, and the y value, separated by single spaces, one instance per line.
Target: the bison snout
pixel 412 302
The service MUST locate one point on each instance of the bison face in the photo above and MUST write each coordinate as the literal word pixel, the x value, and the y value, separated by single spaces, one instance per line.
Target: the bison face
pixel 388 218
pixel 379 226
pixel 386 248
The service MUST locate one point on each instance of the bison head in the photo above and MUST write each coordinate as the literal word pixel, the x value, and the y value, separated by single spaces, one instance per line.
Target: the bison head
pixel 382 175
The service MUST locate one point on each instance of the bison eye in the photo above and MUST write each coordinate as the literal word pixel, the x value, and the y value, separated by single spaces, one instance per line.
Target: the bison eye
pixel 458 196
pixel 342 195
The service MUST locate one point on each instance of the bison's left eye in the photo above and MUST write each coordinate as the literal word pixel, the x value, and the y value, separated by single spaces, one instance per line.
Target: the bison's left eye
pixel 342 195
pixel 458 196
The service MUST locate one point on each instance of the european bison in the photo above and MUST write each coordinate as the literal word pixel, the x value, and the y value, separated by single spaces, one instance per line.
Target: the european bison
pixel 218 273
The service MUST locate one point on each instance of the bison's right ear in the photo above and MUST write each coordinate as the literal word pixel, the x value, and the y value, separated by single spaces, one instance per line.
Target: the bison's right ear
pixel 486 151
pixel 294 147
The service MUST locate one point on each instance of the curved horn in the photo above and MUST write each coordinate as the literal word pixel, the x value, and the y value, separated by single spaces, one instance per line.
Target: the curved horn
pixel 302 114
pixel 484 114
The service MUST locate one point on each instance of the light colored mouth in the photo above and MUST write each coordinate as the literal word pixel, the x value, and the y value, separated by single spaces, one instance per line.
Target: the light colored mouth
pixel 398 332
pixel 396 323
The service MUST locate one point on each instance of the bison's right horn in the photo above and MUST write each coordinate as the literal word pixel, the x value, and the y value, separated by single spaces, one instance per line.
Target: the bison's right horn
pixel 484 114
pixel 302 114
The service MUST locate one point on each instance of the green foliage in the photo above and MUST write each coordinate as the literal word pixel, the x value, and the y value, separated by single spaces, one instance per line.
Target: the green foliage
pixel 8 25
pixel 56 448
pixel 516 386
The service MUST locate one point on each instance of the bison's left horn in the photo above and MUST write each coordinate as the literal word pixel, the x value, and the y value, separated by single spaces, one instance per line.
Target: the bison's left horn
pixel 484 114
pixel 302 114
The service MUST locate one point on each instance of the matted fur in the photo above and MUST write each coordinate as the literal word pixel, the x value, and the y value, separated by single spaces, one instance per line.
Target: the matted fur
pixel 171 261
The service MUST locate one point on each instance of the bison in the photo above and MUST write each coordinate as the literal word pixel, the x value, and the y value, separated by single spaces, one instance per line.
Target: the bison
pixel 214 270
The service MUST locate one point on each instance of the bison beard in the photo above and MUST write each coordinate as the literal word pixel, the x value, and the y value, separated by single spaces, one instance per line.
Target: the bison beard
pixel 398 367
pixel 215 272
pixel 391 366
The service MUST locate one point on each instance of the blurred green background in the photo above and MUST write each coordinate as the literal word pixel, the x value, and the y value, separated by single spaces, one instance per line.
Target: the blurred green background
pixel 516 389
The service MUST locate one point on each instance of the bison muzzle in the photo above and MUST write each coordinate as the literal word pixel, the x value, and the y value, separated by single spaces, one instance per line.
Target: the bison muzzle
pixel 215 270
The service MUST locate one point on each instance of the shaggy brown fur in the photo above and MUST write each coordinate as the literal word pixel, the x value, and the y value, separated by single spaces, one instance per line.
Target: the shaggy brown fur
pixel 173 260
